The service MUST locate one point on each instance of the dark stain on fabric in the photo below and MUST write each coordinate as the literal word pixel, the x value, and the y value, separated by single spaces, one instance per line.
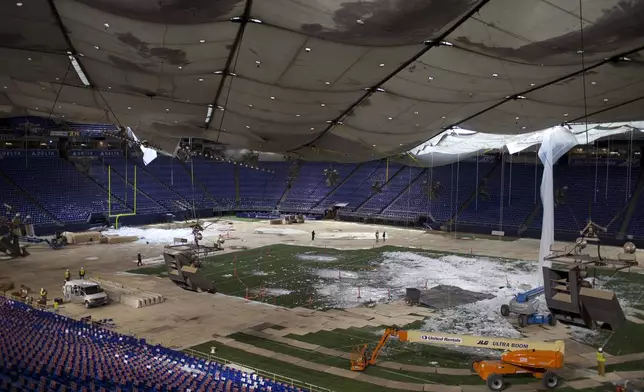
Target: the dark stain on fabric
pixel 171 56
pixel 178 12
pixel 391 22
pixel 613 31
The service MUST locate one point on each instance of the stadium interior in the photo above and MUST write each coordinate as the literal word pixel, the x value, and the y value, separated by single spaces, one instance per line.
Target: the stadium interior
pixel 489 139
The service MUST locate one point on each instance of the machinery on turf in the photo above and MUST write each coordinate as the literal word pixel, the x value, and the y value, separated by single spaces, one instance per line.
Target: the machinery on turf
pixel 11 229
pixel 519 357
pixel 526 306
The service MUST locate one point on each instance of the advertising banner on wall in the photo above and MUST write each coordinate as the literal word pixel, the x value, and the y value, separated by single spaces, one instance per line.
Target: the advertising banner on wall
pixel 94 153
pixel 28 154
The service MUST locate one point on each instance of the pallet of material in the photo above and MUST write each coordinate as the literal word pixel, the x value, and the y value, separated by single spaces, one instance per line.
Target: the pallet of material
pixel 119 239
pixel 82 237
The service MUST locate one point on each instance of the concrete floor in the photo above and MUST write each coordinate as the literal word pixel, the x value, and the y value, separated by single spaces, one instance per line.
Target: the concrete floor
pixel 186 319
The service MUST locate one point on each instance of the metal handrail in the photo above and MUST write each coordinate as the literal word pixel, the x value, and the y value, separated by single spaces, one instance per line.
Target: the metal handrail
pixel 260 372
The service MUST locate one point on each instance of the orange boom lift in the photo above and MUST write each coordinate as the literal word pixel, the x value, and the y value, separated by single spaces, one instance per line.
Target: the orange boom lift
pixel 519 357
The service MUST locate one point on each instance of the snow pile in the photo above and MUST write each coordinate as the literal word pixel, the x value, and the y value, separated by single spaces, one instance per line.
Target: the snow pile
pixel 155 235
pixel 320 258
pixel 336 274
pixel 349 236
pixel 277 292
pixel 278 231
pixel 400 270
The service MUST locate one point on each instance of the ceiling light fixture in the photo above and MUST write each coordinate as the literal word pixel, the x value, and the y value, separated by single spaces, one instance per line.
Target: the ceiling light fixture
pixel 390 118
pixel 96 47
pixel 107 25
pixel 129 108
pixel 250 105
pixel 78 69
pixel 273 98
pixel 446 43
pixel 495 75
pixel 19 4
pixel 307 49
pixel 258 62
pixel 201 79
pixel 327 83
pixel 254 20
pixel 312 129
pixel 522 127
pixel 323 105
pixel 516 118
pixel 180 67
pixel 360 21
pixel 167 110
pixel 209 114
pixel 247 126
pixel 605 99
pixel 29 58
pixel 374 145
pixel 297 115
pixel 382 65
pixel 532 84
pixel 415 112
pixel 565 114
pixel 443 117
pixel 429 78
pixel 202 41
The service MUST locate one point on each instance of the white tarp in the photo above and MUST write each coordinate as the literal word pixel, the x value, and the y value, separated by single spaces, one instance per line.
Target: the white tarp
pixel 148 154
pixel 555 143
pixel 457 144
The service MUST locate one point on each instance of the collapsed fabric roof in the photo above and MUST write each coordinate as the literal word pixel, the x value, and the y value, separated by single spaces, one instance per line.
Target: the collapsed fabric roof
pixel 323 79
pixel 457 144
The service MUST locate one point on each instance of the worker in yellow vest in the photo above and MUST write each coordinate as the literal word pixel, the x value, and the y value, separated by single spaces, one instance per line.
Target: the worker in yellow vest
pixel 43 294
pixel 68 275
pixel 601 362
pixel 81 273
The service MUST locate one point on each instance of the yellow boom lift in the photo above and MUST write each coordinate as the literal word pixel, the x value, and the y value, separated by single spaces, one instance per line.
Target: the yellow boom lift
pixel 520 356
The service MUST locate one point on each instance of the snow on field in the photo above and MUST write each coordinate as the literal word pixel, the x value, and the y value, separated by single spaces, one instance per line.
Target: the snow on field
pixel 321 258
pixel 278 231
pixel 348 236
pixel 335 274
pixel 400 270
pixel 274 291
pixel 156 235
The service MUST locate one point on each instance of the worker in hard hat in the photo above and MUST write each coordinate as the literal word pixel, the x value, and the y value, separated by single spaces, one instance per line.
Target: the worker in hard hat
pixel 43 294
pixel 601 362
pixel 68 275
pixel 81 273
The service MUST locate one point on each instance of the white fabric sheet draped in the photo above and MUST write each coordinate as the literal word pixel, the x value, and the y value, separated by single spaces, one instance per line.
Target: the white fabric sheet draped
pixel 446 148
pixel 555 143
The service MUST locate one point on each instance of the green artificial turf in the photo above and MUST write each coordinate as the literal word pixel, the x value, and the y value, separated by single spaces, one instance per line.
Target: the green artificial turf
pixel 389 374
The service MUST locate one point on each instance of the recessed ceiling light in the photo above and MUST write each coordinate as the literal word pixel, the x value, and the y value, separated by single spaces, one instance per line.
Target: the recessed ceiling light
pixel 37 109
pixel 129 108
pixel 29 58
pixel 495 75
pixel 418 125
pixel 307 49
pixel 382 65
pixel 565 114
pixel 401 144
pixel 297 115
pixel 532 84
pixel 5 86
pixel 96 47
pixel 180 67
pixel 19 4
pixel 327 83
pixel 109 87
pixel 415 112
pixel 516 118
pixel 522 127
pixel 322 104
pixel 258 62
pixel 605 99
pixel 312 129
pixel 201 79
pixel 167 110
pixel 374 145
pixel 593 82
pixel 390 118
pixel 107 25
pixel 250 106
pixel 272 97
pixel 202 41
pixel 430 78
pixel 443 117
pixel 580 52
pixel 247 126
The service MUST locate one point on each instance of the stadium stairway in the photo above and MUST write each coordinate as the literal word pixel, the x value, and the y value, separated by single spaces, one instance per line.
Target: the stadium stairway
pixel 632 206
pixel 195 179
pixel 293 174
pixel 121 205
pixel 528 221
pixel 25 205
pixel 332 191
pixel 475 192
pixel 406 189
pixel 129 184
pixel 388 182
pixel 181 201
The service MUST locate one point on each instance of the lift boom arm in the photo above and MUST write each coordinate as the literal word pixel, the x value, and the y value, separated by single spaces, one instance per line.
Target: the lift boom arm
pixel 475 341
